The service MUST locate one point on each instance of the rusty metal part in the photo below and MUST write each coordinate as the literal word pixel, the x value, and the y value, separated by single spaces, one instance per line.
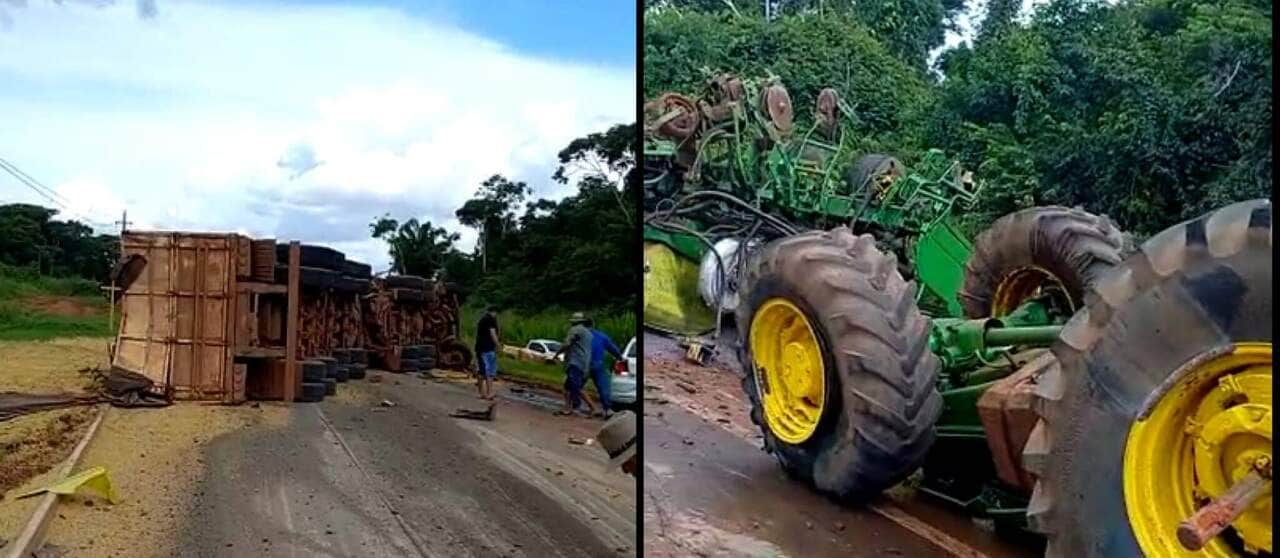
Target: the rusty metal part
pixel 1008 417
pixel 828 112
pixel 1197 530
pixel 263 260
pixel 680 118
pixel 776 102
pixel 391 322
pixel 727 88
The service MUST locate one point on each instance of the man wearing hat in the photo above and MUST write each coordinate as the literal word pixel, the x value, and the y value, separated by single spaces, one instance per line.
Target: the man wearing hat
pixel 577 348
pixel 618 438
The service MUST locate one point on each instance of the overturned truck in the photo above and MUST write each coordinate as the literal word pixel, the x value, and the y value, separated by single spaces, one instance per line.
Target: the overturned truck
pixel 207 316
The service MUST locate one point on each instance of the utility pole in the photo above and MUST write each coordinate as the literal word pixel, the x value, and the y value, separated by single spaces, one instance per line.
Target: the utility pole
pixel 123 222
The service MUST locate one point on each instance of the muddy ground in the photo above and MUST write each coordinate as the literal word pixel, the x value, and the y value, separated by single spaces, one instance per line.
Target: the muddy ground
pixel 710 490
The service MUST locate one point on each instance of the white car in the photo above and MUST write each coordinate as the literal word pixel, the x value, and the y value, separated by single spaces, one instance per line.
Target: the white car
pixel 543 349
pixel 625 378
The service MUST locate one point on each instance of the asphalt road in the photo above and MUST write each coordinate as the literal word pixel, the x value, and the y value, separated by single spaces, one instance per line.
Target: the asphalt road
pixel 711 491
pixel 349 477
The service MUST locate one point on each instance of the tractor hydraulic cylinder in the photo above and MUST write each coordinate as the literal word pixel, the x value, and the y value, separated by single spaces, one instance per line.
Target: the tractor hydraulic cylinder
pixel 1033 335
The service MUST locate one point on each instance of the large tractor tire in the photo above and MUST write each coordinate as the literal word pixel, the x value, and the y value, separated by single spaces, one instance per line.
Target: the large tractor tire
pixel 837 364
pixel 1033 250
pixel 1160 396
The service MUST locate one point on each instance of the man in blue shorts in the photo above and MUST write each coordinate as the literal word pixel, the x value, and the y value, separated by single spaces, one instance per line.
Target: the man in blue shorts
pixel 577 351
pixel 487 351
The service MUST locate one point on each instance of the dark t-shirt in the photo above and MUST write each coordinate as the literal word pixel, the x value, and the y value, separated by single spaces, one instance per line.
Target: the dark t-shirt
pixel 484 339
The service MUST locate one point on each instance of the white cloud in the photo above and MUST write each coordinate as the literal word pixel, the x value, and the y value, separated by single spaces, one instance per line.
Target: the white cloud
pixel 199 116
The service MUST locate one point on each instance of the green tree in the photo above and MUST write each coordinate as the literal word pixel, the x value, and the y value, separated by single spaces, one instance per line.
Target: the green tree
pixel 31 237
pixel 416 248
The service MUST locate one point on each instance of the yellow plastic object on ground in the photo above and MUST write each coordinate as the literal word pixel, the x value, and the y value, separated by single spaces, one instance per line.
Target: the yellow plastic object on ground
pixel 671 300
pixel 95 478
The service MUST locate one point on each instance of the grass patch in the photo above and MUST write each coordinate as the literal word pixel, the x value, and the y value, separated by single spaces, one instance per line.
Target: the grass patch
pixel 21 282
pixel 35 307
pixel 517 329
pixel 18 323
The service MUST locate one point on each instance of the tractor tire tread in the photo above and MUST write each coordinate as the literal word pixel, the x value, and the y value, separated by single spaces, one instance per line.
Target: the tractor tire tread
pixel 1086 399
pixel 878 343
pixel 1076 246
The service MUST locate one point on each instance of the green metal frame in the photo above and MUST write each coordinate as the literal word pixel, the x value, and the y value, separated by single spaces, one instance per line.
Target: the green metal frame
pixel 801 178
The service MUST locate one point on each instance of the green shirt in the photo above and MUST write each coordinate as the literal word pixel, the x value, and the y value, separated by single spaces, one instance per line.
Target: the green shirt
pixel 578 347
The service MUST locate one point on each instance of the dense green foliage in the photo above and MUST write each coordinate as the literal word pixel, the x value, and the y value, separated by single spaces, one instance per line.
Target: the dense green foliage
pixel 30 237
pixel 1150 111
pixel 577 253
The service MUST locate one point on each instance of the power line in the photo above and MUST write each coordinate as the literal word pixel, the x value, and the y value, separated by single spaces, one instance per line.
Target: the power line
pixel 46 192
pixel 32 180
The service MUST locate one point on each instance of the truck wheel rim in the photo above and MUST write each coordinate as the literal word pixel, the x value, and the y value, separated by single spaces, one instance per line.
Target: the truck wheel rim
pixel 1205 433
pixel 1021 284
pixel 789 371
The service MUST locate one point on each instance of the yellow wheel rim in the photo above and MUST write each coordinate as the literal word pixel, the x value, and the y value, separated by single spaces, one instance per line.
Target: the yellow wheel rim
pixel 1202 435
pixel 789 372
pixel 1023 283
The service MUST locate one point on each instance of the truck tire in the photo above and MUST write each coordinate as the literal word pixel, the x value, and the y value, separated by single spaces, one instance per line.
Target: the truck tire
pixel 406 282
pixel 330 386
pixel 408 295
pixel 330 365
pixel 343 356
pixel 341 373
pixel 358 285
pixel 309 277
pixel 877 376
pixel 1067 249
pixel 356 371
pixel 321 257
pixel 312 392
pixel 1130 365
pixel 357 270
pixel 428 363
pixel 412 352
pixel 358 356
pixel 314 370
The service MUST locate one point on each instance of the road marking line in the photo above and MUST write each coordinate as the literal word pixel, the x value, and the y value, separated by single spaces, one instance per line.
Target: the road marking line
pixel 925 531
pixel 395 514
pixel 32 536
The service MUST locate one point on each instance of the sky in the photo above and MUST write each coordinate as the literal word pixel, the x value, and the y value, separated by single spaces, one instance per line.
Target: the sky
pixel 301 120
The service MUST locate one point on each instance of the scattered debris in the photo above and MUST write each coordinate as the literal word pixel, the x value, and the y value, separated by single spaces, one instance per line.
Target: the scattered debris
pixel 688 442
pixel 388 403
pixel 375 378
pixel 581 441
pixel 94 478
pixel 487 414
pixel 687 386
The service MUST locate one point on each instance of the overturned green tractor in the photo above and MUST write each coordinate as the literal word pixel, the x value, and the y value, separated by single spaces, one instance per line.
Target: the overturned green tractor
pixel 1117 401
